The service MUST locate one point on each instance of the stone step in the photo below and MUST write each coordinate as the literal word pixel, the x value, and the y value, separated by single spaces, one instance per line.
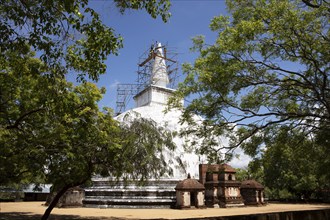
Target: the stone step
pixel 129 190
pixel 107 193
pixel 131 200
pixel 129 197
pixel 167 187
pixel 122 184
pixel 129 193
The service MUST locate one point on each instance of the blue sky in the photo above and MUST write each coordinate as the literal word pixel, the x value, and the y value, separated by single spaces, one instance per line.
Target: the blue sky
pixel 189 18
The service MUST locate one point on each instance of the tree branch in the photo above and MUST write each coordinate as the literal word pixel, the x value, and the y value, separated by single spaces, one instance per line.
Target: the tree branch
pixel 18 121
pixel 308 3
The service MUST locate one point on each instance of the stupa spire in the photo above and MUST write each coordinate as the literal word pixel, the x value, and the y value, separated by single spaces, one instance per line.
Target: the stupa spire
pixel 159 75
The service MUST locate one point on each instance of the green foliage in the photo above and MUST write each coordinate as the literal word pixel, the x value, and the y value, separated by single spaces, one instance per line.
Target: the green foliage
pixel 256 171
pixel 46 124
pixel 21 108
pixel 268 68
pixel 153 7
pixel 242 174
pixel 54 130
pixel 292 165
pixel 11 195
pixel 151 142
pixel 68 35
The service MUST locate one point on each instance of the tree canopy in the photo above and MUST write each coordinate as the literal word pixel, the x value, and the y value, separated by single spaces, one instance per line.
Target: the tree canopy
pixel 268 68
pixel 68 35
pixel 292 166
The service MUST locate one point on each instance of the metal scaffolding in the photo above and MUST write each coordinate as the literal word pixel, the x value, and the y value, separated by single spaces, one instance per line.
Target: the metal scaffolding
pixel 125 92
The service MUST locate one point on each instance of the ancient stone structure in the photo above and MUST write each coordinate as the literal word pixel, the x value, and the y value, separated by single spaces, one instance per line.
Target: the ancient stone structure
pixel 108 193
pixel 221 187
pixel 252 192
pixel 73 197
pixel 208 175
pixel 189 193
pixel 229 192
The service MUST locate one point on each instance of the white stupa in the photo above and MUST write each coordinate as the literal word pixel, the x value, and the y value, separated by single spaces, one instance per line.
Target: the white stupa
pixel 151 103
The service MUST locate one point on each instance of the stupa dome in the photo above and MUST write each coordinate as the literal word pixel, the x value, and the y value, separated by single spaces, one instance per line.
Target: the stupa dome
pixel 181 160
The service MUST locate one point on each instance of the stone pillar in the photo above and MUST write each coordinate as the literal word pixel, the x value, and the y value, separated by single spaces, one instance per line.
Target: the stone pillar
pixel 261 197
pixel 179 198
pixel 186 200
pixel 211 196
pixel 257 196
pixel 200 199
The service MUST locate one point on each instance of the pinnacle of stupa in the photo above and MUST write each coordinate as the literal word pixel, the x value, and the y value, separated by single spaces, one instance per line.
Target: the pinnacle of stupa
pixel 159 71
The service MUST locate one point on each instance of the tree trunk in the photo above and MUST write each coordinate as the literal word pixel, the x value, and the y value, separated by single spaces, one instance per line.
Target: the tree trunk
pixel 54 201
pixel 58 195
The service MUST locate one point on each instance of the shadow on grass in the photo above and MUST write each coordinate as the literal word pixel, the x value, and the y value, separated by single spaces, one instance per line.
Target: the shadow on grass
pixel 31 216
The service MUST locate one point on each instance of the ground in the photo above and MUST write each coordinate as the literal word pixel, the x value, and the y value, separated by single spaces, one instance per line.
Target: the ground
pixel 34 210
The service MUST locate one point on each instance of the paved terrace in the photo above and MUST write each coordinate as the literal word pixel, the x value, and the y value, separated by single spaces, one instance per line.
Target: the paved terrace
pixel 34 210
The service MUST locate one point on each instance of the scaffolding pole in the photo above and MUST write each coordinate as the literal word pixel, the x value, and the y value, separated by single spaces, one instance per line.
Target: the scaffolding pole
pixel 125 92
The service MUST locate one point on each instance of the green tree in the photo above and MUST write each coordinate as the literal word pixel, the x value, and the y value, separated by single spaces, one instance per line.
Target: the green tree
pixel 253 171
pixel 53 132
pixel 268 68
pixel 242 174
pixel 68 35
pixel 50 130
pixel 151 142
pixel 292 165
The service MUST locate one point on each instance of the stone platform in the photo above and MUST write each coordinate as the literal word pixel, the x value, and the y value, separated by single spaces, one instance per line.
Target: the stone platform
pixel 107 193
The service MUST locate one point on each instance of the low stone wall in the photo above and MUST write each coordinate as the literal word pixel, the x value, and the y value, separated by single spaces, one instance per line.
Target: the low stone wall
pixel 35 196
pixel 292 215
pixel 72 197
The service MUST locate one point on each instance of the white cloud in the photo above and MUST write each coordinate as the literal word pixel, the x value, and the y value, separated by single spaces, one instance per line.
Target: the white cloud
pixel 114 84
pixel 241 160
